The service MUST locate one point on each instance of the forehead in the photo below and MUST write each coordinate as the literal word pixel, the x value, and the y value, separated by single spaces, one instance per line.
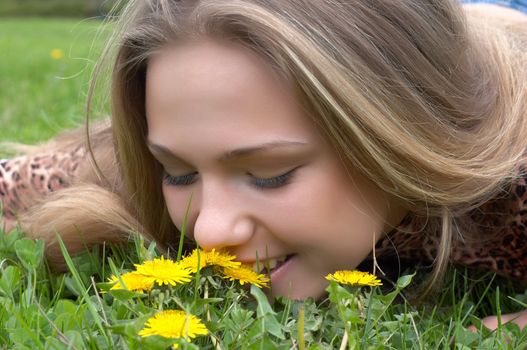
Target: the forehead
pixel 205 91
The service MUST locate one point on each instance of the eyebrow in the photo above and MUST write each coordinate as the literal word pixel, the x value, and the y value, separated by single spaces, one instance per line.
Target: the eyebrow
pixel 233 154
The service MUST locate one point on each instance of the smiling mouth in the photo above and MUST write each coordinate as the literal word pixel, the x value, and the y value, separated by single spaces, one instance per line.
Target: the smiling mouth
pixel 268 266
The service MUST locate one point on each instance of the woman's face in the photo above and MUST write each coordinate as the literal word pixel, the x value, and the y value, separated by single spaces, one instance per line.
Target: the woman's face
pixel 264 183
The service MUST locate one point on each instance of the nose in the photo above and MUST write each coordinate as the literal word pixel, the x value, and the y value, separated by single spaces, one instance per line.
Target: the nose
pixel 222 220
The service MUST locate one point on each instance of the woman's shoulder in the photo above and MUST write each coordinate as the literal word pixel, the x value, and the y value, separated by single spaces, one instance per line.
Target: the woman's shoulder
pixel 497 232
pixel 497 239
pixel 27 178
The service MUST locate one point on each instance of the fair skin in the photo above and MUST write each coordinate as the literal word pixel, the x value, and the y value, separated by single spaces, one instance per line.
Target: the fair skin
pixel 206 100
pixel 263 181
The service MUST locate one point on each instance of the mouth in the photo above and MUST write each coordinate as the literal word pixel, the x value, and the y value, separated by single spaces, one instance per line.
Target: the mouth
pixel 268 266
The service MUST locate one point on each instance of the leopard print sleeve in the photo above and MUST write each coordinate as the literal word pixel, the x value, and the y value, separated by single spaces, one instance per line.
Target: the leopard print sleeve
pixel 26 179
pixel 500 244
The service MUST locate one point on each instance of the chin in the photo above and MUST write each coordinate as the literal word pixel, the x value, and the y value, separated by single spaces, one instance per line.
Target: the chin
pixel 303 291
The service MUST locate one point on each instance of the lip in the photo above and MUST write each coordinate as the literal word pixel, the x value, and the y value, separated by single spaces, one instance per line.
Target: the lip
pixel 278 274
pixel 263 263
pixel 262 260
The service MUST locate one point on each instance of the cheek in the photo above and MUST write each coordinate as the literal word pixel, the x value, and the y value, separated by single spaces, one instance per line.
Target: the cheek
pixel 176 202
pixel 327 204
pixel 305 211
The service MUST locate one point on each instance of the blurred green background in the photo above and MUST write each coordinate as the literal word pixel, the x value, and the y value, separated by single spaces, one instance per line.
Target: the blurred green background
pixel 55 8
pixel 46 60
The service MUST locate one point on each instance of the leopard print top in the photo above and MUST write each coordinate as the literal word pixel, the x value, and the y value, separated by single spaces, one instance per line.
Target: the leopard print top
pixel 501 246
pixel 26 179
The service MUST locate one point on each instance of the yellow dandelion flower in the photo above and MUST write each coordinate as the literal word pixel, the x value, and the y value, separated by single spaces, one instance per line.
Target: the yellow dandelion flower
pixel 56 54
pixel 221 259
pixel 192 260
pixel 133 281
pixel 209 258
pixel 174 324
pixel 245 274
pixel 354 278
pixel 164 271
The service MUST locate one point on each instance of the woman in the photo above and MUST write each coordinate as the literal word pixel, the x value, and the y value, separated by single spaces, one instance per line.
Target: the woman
pixel 304 133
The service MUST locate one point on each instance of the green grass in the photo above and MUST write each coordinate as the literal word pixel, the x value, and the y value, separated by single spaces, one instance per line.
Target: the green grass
pixel 54 8
pixel 39 95
pixel 42 309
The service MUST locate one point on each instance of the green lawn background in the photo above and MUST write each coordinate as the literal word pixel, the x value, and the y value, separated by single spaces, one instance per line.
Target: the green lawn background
pixel 40 95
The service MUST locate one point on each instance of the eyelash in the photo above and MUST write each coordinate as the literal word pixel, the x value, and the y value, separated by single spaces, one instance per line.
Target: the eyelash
pixel 183 180
pixel 273 182
pixel 262 184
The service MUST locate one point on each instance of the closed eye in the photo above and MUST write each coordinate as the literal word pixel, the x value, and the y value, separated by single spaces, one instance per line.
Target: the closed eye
pixel 183 180
pixel 273 182
pixel 258 182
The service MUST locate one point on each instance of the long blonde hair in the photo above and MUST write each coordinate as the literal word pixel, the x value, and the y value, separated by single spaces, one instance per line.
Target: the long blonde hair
pixel 425 103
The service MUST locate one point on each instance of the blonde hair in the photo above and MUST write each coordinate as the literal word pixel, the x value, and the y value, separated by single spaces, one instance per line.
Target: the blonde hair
pixel 425 103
